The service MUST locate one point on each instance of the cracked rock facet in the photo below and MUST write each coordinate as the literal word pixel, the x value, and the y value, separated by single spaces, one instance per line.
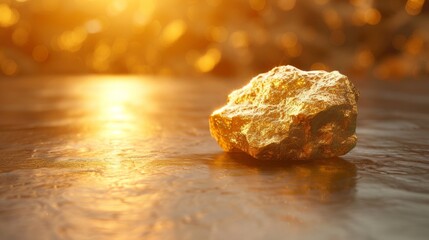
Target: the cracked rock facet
pixel 289 114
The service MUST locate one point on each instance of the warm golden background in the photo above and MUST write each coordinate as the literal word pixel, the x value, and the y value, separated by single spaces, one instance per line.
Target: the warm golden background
pixel 368 38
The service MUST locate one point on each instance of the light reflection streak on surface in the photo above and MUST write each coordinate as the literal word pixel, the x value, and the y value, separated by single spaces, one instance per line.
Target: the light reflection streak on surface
pixel 119 116
pixel 118 122
pixel 114 101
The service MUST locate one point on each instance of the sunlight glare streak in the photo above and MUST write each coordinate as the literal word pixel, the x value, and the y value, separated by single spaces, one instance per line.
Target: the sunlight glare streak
pixel 115 100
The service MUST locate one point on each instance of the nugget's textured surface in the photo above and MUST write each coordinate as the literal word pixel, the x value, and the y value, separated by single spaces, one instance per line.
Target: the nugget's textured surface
pixel 289 114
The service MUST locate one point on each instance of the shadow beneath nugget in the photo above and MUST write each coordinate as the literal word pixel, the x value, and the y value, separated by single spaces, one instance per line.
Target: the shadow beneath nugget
pixel 326 180
pixel 245 159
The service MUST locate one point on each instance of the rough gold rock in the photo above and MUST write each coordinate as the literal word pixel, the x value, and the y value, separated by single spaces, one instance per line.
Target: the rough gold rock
pixel 289 114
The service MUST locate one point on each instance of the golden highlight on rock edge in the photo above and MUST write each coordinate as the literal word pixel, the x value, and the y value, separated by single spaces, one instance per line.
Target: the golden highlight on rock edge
pixel 289 114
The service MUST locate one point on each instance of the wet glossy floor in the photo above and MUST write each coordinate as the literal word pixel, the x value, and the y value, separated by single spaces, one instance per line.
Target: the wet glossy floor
pixel 132 158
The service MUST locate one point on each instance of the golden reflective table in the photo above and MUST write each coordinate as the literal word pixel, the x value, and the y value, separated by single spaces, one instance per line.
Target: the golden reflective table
pixel 112 157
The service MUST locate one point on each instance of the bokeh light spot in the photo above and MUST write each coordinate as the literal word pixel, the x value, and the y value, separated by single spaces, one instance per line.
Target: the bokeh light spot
pixel 8 67
pixel 239 39
pixel 257 5
pixel 209 60
pixel 414 7
pixel 332 19
pixel 101 57
pixel 116 7
pixel 40 53
pixel 286 5
pixel 372 16
pixel 414 45
pixel 93 26
pixel 364 59
pixel 219 34
pixel 173 31
pixel 20 36
pixel 8 15
pixel 72 40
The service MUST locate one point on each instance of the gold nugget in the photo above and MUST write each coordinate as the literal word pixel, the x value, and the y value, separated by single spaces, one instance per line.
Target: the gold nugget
pixel 289 114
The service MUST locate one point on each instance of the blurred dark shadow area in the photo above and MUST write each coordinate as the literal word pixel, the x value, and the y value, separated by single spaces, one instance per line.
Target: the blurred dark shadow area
pixel 365 38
